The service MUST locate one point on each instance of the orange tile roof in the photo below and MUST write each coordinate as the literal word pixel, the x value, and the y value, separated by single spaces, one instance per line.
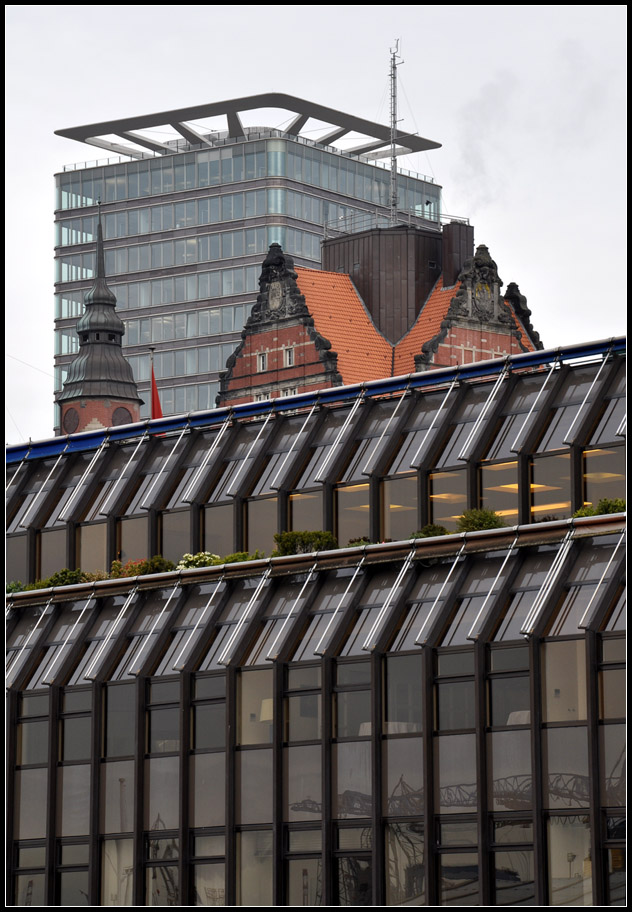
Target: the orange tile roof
pixel 427 325
pixel 526 338
pixel 341 317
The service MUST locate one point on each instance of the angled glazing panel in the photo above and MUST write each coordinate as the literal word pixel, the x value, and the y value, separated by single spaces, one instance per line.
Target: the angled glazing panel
pixel 593 565
pixel 576 387
pixel 202 601
pixel 161 478
pixel 238 483
pixel 462 424
pixel 25 636
pixel 553 574
pixel 200 464
pixel 476 429
pixel 526 422
pixel 91 467
pixel 390 603
pixel 374 598
pixel 534 567
pixel 245 620
pixel 38 476
pixel 139 486
pixel 300 433
pixel 101 638
pixel 151 619
pixel 385 431
pixel 238 599
pixel 429 585
pixel 341 440
pixel 485 576
pixel 124 465
pixel 244 448
pixel 287 599
pixel 70 624
pixel 430 617
pixel 321 447
pixel 334 587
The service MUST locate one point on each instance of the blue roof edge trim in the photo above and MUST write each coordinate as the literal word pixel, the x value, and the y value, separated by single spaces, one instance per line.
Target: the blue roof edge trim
pixel 93 439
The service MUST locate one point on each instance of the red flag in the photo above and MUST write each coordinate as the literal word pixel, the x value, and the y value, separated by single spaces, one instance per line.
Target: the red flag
pixel 156 410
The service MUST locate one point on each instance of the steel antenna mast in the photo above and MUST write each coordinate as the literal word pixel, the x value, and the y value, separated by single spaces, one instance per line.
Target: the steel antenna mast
pixel 393 194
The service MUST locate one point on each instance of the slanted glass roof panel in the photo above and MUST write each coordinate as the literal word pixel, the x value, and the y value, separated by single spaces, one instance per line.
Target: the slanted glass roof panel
pixel 481 577
pixel 202 601
pixel 568 402
pixel 327 601
pixel 521 400
pixel 422 429
pixel 616 619
pixel 593 565
pixel 41 479
pixel 533 570
pixel 606 430
pixel 326 438
pixel 288 596
pixel 73 617
pixel 102 638
pixel 121 467
pixel 238 600
pixel 151 619
pixel 463 423
pixel 25 636
pixel 373 598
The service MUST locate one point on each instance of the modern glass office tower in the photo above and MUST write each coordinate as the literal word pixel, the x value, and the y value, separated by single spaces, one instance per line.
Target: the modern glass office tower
pixel 187 222
pixel 421 721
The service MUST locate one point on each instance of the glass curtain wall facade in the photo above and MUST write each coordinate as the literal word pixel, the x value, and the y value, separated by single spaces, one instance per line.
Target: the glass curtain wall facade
pixel 185 234
pixel 438 722
pixel 377 464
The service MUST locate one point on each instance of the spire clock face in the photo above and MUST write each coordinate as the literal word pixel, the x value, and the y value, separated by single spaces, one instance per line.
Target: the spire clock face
pixel 71 421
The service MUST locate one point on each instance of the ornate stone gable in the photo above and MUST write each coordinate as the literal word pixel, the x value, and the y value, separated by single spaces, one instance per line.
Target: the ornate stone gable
pixel 477 304
pixel 279 295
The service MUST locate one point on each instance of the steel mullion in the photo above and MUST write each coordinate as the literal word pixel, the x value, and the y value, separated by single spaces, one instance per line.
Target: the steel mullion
pixel 322 473
pixel 176 665
pixel 583 623
pixel 186 497
pixel 83 478
pixel 159 474
pixel 365 470
pixel 568 439
pixel 483 412
pixel 272 655
pixel 23 523
pixel 371 641
pixel 418 639
pixel 23 462
pixel 225 657
pixel 414 462
pixel 318 650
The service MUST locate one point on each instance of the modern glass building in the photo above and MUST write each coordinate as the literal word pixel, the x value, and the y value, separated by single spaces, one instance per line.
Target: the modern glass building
pixel 187 222
pixel 420 721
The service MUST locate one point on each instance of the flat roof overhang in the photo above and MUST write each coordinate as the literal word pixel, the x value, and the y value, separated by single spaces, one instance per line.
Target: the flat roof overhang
pixel 178 119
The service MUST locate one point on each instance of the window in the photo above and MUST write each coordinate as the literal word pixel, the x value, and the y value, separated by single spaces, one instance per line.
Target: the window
pixel 262 362
pixel 288 357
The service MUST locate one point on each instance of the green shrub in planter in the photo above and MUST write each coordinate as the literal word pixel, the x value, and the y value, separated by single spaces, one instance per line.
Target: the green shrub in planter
pixel 430 531
pixel 303 542
pixel 477 520
pixel 605 506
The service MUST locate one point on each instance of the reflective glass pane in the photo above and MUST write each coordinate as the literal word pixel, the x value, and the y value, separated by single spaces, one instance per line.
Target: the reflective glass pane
pixel 405 865
pixel 162 803
pixel 32 743
pixel 255 707
pixel 306 511
pixel 218 529
pixel 399 508
pixel 254 786
pixel 455 705
pixel 458 879
pixel 209 885
pixel 73 801
pixel 564 681
pixel 499 490
pixel 510 780
pixel 120 716
pixel 565 767
pixel 448 498
pixel 304 722
pixel 510 701
pixel 612 750
pixel 354 881
pixel 207 789
pixel 604 474
pixel 304 885
pixel 551 488
pixel 117 877
pixel 402 705
pixel 353 714
pixel 31 789
pixel 570 864
pixel 455 785
pixel 30 890
pixel 352 512
pixel 162 885
pixel 75 739
pixel 254 865
pixel 612 693
pixel 117 797
pixel 351 773
pixel 73 888
pixel 303 783
pixel 209 726
pixel 513 879
pixel 616 877
pixel 403 777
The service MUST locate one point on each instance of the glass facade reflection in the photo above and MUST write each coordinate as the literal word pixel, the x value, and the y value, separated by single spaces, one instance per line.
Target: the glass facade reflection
pixel 375 725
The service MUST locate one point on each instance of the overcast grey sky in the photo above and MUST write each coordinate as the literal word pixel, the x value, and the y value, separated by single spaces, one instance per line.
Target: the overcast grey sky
pixel 529 104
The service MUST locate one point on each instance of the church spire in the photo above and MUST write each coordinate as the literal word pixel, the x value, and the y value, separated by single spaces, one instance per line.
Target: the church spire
pixel 100 379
